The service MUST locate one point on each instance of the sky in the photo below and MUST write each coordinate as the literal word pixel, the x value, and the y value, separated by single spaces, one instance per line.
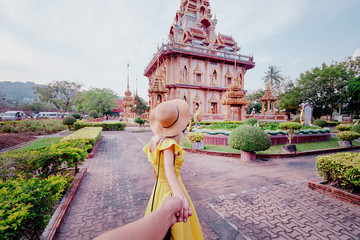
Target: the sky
pixel 92 41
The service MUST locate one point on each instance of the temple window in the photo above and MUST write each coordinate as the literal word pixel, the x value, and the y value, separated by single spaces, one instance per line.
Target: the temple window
pixel 229 81
pixel 184 74
pixel 198 78
pixel 214 78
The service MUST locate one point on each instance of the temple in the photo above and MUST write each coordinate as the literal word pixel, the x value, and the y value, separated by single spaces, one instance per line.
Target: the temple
pixel 198 65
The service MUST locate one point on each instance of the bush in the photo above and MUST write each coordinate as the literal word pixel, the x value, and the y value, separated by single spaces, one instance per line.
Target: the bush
pixel 89 134
pixel 348 135
pixel 341 169
pixel 93 114
pixel 195 137
pixel 332 123
pixel 139 120
pixel 107 126
pixel 290 127
pixel 250 121
pixel 26 205
pixel 248 138
pixel 356 128
pixel 343 127
pixel 297 119
pixel 69 121
pixel 76 115
pixel 320 123
pixel 33 127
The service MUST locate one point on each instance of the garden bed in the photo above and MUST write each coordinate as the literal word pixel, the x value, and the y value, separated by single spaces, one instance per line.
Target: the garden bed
pixel 12 139
pixel 322 187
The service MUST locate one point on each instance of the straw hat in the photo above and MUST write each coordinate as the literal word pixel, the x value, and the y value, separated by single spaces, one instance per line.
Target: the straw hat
pixel 170 118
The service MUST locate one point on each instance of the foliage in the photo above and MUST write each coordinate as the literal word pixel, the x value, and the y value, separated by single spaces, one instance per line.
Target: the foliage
pixel 290 127
pixel 348 135
pixel 76 115
pixel 353 94
pixel 297 119
pixel 102 100
pixel 320 123
pixel 195 137
pixel 26 205
pixel 37 106
pixel 323 87
pixel 93 114
pixel 273 75
pixel 90 134
pixel 42 162
pixel 69 121
pixel 356 128
pixel 107 126
pixel 140 121
pixel 228 126
pixel 254 101
pixel 269 125
pixel 332 123
pixel 344 127
pixel 61 94
pixel 341 169
pixel 42 142
pixel 140 106
pixel 291 99
pixel 248 138
pixel 33 127
pixel 250 121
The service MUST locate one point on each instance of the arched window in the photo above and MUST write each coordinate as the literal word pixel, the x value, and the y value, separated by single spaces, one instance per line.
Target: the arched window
pixel 185 74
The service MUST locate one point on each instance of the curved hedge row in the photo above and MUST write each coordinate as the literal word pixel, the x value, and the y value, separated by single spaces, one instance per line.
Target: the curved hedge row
pixel 106 126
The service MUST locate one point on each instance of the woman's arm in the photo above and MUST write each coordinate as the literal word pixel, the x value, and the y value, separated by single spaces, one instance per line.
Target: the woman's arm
pixel 174 185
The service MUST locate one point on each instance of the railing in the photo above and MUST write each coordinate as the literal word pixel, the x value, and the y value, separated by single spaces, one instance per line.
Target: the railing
pixel 197 50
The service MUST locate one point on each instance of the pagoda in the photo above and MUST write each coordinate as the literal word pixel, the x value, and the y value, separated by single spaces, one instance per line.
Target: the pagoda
pixel 269 99
pixel 196 63
pixel 128 100
pixel 235 97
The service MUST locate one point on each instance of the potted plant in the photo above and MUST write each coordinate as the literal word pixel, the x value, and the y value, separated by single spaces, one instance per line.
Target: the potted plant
pixel 290 127
pixel 346 137
pixel 249 139
pixel 195 138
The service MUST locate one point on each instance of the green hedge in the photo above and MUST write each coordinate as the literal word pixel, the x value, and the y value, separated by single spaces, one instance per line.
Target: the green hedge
pixel 320 123
pixel 344 127
pixel 43 162
pixel 89 134
pixel 106 126
pixel 332 123
pixel 250 121
pixel 248 138
pixel 341 170
pixel 33 127
pixel 356 128
pixel 348 135
pixel 26 205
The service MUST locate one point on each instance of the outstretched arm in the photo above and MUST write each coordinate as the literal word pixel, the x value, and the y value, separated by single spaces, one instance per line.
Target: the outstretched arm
pixel 174 185
pixel 152 227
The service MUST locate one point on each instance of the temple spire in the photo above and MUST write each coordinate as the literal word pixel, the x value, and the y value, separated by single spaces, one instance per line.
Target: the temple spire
pixel 128 77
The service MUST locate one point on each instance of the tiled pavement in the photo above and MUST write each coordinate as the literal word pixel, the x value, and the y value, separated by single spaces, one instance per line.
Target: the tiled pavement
pixel 266 199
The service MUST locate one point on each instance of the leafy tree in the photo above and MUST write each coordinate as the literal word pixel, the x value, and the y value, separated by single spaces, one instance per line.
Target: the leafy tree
pixel 61 94
pixel 139 107
pixel 291 99
pixel 37 106
pixel 254 100
pixel 101 100
pixel 353 95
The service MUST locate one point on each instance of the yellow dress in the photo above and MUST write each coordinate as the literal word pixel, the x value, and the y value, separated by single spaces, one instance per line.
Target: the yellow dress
pixel 180 231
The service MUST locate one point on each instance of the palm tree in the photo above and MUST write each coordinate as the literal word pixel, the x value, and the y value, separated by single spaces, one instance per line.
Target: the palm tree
pixel 273 75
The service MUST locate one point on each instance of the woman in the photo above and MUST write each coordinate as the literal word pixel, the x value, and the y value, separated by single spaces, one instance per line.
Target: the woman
pixel 167 121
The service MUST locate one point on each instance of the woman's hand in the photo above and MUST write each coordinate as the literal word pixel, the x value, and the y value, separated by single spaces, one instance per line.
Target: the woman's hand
pixel 185 210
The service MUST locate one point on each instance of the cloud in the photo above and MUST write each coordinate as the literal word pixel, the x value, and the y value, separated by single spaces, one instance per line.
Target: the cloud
pixel 356 53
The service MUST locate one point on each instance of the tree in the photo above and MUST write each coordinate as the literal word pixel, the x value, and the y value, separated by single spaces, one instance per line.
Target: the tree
pixel 140 106
pixel 273 75
pixel 101 100
pixel 254 100
pixel 61 94
pixel 37 106
pixel 353 95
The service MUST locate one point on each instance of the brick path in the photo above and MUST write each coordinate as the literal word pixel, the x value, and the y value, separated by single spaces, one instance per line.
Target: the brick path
pixel 234 199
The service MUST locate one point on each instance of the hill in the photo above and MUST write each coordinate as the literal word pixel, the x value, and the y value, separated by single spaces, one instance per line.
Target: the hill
pixel 19 91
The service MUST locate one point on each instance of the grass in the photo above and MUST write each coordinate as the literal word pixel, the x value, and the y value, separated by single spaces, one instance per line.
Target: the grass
pixel 42 142
pixel 301 147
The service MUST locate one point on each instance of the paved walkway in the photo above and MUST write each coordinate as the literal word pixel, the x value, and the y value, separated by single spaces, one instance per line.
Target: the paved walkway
pixel 265 199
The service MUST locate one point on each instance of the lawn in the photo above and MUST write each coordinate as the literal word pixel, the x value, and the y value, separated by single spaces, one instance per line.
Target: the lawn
pixel 302 147
pixel 42 142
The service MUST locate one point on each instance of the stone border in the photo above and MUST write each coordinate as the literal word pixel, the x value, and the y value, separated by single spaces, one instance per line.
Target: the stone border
pixel 275 155
pixel 53 228
pixel 319 186
pixel 93 151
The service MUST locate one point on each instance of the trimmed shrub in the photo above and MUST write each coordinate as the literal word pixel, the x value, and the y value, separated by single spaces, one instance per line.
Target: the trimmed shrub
pixel 297 119
pixel 341 170
pixel 76 115
pixel 248 138
pixel 195 137
pixel 290 127
pixel 332 123
pixel 348 135
pixel 89 134
pixel 106 126
pixel 139 120
pixel 250 121
pixel 69 121
pixel 93 114
pixel 343 127
pixel 320 123
pixel 356 128
pixel 33 127
pixel 26 205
